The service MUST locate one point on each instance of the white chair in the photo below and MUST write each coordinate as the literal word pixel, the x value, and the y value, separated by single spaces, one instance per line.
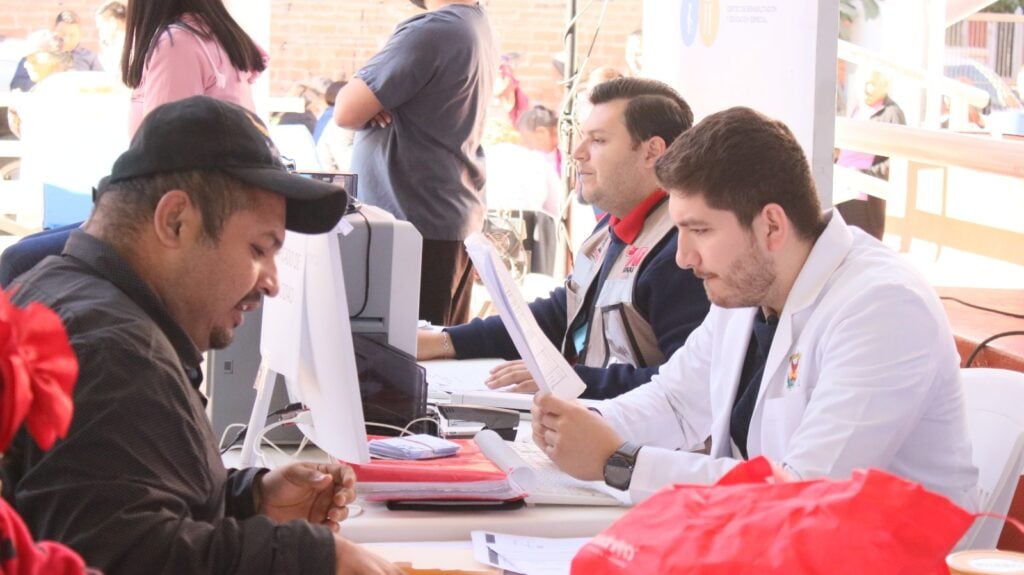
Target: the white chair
pixel 995 420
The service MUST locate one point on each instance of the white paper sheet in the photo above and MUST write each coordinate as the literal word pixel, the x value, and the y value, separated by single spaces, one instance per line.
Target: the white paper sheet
pixel 521 554
pixel 459 375
pixel 547 366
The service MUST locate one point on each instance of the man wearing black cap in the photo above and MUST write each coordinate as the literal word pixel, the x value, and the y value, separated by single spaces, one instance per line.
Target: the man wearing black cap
pixel 181 243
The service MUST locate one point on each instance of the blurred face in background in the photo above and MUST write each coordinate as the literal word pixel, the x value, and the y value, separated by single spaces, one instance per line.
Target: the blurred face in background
pixel 876 88
pixel 67 35
pixel 541 138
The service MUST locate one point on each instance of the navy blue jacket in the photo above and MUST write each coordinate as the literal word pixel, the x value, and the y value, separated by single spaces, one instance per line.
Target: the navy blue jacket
pixel 672 300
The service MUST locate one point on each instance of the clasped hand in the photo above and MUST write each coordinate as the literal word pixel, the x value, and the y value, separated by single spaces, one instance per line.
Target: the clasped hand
pixel 317 492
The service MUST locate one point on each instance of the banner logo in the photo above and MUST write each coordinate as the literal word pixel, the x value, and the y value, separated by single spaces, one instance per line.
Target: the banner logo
pixel 701 16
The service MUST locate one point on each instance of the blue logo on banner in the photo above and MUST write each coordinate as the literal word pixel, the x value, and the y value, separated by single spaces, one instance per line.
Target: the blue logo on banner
pixel 689 20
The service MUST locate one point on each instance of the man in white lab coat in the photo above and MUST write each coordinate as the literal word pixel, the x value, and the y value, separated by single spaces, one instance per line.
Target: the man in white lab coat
pixel 823 351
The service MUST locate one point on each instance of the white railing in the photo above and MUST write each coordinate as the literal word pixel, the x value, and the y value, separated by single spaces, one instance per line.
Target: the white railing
pixel 961 96
pixel 925 150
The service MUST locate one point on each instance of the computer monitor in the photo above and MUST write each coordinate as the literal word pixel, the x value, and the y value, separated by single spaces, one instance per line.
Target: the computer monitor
pixel 381 285
pixel 307 339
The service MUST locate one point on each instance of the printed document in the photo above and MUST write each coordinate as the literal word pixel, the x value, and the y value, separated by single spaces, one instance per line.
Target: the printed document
pixel 533 555
pixel 547 366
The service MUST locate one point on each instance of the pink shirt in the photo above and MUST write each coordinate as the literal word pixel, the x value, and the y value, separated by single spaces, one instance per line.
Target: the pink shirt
pixel 184 64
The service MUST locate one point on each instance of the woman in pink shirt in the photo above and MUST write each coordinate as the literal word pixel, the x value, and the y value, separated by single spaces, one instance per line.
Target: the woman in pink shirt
pixel 180 48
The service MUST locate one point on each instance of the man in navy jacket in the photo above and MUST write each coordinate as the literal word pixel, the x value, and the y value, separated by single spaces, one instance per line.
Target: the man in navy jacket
pixel 627 306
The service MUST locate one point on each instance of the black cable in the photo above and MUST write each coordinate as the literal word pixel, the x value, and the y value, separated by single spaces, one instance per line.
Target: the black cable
pixel 978 348
pixel 366 267
pixel 288 409
pixel 982 308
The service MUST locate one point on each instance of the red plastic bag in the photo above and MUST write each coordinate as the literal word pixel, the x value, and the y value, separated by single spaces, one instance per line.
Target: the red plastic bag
pixel 873 522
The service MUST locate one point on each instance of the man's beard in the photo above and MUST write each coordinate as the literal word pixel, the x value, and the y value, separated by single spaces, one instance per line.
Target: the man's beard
pixel 421 4
pixel 221 338
pixel 748 281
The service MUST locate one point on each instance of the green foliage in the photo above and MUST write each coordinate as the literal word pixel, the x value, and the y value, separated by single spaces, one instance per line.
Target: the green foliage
pixel 850 11
pixel 1005 6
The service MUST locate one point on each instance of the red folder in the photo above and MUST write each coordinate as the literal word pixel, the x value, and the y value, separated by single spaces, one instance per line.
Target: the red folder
pixel 469 475
pixel 469 464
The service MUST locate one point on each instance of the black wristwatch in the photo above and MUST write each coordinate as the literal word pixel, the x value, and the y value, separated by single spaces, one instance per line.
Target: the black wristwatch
pixel 618 470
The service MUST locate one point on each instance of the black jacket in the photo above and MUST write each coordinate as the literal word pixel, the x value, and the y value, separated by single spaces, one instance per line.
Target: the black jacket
pixel 138 485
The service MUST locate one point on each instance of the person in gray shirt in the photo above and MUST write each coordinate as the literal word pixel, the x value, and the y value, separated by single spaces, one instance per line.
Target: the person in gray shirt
pixel 419 105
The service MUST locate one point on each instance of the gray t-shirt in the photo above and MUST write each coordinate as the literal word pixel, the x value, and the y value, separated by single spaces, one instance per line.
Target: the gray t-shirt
pixel 435 77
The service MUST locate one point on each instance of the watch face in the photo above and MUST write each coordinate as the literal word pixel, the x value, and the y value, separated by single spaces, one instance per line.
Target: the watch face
pixel 618 471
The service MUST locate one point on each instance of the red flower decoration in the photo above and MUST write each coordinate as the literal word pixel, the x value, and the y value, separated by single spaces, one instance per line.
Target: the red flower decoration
pixel 38 370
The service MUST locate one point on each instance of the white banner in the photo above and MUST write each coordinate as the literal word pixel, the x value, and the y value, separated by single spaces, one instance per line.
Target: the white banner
pixel 776 56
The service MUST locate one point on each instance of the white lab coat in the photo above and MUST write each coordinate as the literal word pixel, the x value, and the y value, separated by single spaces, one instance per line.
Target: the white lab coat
pixel 862 372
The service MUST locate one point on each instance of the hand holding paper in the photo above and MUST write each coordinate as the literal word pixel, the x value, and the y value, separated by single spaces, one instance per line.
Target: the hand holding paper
pixel 547 366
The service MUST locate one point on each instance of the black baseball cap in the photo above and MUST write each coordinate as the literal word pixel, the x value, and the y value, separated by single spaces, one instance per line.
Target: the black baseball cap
pixel 203 133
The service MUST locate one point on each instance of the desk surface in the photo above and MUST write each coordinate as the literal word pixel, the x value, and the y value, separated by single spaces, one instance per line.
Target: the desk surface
pixel 378 524
pixel 972 326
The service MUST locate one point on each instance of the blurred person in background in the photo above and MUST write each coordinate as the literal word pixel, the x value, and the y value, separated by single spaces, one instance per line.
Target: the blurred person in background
pixel 67 31
pixel 333 143
pixel 538 130
pixel 868 212
pixel 428 90
pixel 39 41
pixel 172 49
pixel 507 91
pixel 110 25
pixel 43 61
pixel 179 48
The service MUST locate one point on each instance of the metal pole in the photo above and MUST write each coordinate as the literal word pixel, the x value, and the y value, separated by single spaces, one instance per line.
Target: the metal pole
pixel 566 131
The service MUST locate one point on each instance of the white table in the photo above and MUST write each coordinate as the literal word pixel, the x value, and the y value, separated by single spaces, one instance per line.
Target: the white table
pixel 378 524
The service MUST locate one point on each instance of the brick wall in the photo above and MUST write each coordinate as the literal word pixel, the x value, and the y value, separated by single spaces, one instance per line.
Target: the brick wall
pixel 333 37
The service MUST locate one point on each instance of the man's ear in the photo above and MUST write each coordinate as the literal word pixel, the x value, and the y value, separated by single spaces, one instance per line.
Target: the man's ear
pixel 777 226
pixel 174 216
pixel 654 148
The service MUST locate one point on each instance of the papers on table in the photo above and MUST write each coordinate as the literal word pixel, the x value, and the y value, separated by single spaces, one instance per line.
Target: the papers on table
pixel 520 554
pixel 547 366
pixel 459 375
pixel 469 475
pixel 421 446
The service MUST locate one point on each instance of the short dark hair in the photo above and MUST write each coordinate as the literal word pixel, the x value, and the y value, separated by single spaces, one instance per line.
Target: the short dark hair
pixel 740 161
pixel 128 204
pixel 537 117
pixel 67 17
pixel 653 108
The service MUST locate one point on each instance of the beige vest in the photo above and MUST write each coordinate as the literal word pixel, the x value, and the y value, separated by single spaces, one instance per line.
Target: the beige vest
pixel 617 333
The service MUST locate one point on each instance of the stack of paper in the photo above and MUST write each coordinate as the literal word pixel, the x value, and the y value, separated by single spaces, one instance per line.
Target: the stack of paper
pixel 421 446
pixel 468 475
